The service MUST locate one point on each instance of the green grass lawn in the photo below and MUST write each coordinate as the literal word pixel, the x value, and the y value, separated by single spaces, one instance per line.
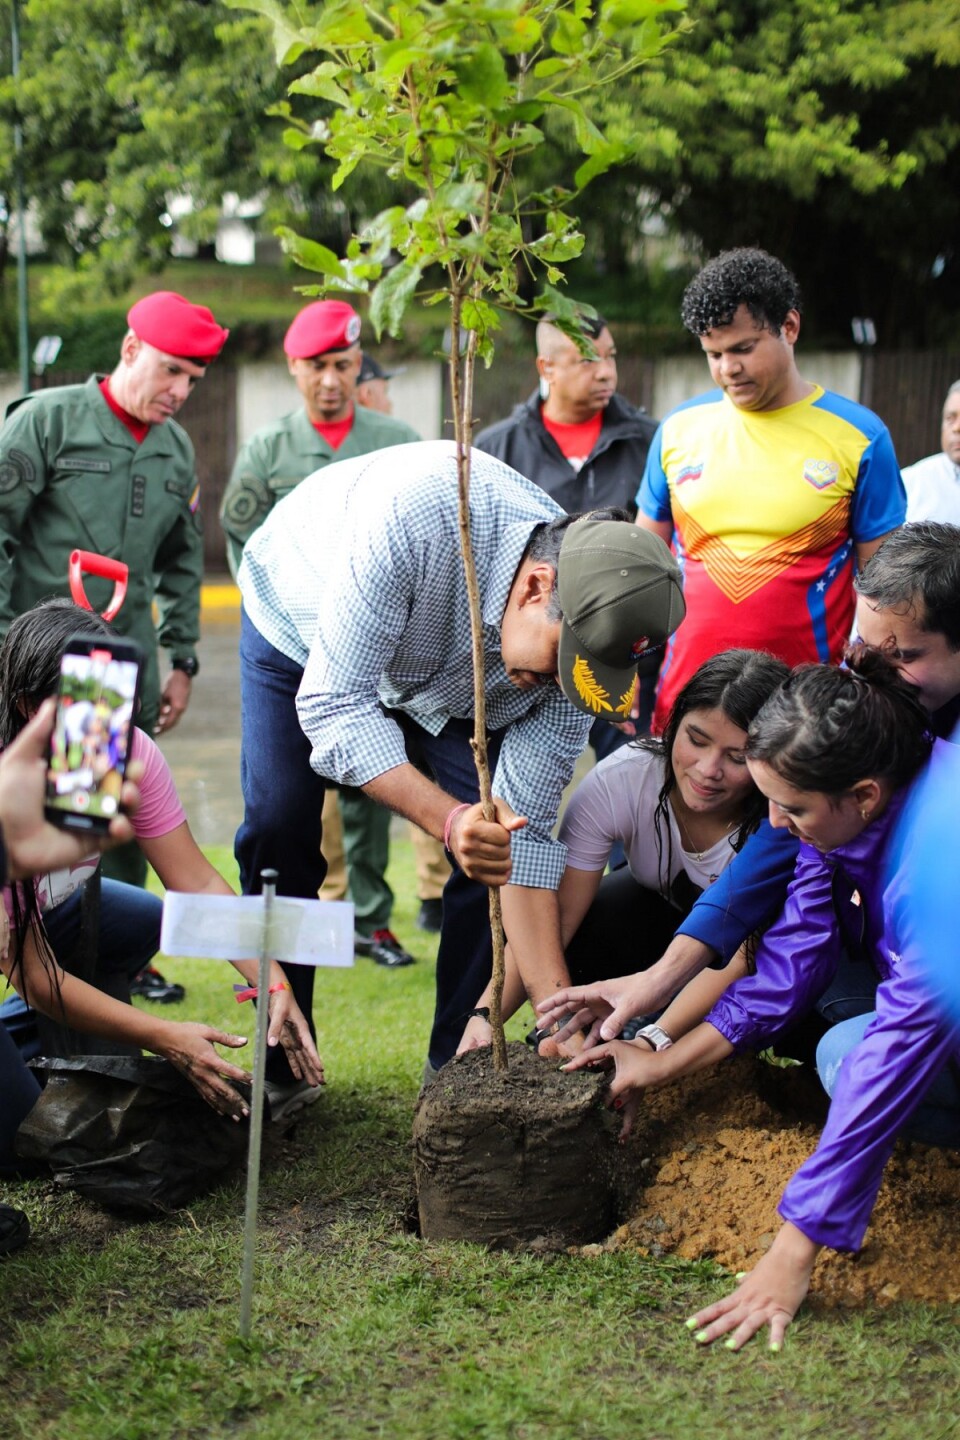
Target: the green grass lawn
pixel 129 1330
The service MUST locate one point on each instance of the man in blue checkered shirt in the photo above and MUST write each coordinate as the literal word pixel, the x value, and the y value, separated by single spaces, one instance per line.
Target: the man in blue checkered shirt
pixel 356 666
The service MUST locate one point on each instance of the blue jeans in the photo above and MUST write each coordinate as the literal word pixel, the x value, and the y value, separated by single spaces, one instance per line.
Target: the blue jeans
pixel 282 829
pixel 129 929
pixel 935 1122
pixel 465 954
pixel 20 1093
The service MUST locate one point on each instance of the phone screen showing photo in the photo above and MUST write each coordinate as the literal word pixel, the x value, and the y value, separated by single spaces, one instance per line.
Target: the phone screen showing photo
pixel 91 737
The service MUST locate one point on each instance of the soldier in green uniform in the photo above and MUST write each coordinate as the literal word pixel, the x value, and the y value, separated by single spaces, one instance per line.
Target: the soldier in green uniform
pixel 103 467
pixel 323 353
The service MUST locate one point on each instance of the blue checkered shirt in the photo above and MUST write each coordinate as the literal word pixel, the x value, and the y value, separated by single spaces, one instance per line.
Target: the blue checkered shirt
pixel 357 576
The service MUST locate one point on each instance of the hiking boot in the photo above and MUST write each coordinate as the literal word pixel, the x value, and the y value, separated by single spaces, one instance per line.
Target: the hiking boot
pixel 150 985
pixel 383 948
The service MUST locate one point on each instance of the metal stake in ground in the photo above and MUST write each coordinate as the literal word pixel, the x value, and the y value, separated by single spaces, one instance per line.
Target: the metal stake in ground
pixel 268 880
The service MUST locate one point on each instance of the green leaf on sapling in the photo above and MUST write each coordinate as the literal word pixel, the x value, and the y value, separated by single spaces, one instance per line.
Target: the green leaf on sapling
pixel 482 75
pixel 309 253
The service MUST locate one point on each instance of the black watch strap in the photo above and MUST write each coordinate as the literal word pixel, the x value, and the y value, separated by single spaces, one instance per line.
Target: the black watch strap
pixel 189 664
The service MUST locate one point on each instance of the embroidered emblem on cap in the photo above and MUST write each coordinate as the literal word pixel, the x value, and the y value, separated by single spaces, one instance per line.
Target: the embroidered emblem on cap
pixel 588 687
pixel 820 473
pixel 639 647
pixel 626 701
pixel 353 329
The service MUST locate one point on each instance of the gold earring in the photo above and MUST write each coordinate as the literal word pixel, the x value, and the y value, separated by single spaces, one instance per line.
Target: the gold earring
pixel 864 815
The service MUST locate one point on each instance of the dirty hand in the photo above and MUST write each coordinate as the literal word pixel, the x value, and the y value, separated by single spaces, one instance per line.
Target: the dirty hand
pixel 33 844
pixel 189 1046
pixel 482 847
pixel 601 1009
pixel 173 701
pixel 771 1294
pixel 476 1036
pixel 552 1047
pixel 289 1029
pixel 634 1067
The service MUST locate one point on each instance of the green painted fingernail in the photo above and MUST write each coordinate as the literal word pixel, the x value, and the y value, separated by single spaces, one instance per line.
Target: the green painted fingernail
pixel 701 1337
pixel 775 1347
pixel 691 1324
pixel 741 1275
pixel 730 1344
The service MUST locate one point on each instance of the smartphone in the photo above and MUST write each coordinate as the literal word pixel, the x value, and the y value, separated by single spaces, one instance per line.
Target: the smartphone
pixel 96 707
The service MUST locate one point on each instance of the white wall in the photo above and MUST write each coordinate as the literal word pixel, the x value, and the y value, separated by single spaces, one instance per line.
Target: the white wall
pixel 266 391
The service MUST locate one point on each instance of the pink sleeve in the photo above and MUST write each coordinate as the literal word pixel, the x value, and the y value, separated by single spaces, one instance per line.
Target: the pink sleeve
pixel 160 809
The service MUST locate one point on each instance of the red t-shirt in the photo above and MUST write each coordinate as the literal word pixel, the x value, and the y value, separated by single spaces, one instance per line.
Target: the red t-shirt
pixel 576 441
pixel 334 431
pixel 139 429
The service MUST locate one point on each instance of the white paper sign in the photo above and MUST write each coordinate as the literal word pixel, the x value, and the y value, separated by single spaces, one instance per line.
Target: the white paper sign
pixel 230 927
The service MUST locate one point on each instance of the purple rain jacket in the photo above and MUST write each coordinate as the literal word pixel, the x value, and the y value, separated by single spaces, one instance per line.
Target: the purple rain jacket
pixel 886 1076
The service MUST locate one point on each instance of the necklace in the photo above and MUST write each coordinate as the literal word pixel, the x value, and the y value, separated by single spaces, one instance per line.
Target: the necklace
pixel 688 845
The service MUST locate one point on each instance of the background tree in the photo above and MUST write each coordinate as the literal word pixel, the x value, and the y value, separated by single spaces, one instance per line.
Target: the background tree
pixel 126 106
pixel 827 131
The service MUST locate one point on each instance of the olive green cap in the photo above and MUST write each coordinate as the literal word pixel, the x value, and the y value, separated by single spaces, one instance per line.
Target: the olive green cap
pixel 619 589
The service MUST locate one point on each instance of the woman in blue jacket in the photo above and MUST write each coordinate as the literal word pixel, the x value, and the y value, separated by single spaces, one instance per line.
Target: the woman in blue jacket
pixel 834 751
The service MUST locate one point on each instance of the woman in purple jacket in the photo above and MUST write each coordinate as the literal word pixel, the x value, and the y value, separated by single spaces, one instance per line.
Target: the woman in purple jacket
pixel 834 751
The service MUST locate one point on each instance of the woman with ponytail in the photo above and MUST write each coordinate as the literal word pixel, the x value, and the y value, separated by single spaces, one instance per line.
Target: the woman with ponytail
pixel 835 752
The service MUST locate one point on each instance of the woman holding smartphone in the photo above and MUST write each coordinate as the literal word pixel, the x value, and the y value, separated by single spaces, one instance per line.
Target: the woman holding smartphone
pixel 46 916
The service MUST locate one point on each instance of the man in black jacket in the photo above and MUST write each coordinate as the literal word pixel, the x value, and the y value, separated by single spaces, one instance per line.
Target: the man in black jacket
pixel 584 444
pixel 577 438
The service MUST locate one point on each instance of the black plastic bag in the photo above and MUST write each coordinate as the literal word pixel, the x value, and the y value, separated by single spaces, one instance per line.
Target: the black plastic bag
pixel 130 1133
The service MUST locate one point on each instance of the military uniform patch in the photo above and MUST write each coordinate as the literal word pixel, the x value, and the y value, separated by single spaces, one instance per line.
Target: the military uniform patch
pixel 16 469
pixel 248 503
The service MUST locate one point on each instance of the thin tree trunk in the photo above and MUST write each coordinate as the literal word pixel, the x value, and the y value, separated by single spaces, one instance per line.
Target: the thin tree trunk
pixel 461 392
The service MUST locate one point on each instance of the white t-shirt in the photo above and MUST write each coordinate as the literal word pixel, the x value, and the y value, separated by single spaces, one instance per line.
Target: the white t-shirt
pixel 933 489
pixel 617 801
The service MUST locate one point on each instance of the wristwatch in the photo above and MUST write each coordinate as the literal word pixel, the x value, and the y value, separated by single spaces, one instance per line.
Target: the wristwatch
pixel 655 1037
pixel 189 664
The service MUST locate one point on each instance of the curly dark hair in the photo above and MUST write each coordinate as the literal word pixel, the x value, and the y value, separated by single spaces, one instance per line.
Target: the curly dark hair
pixel 740 277
pixel 739 683
pixel 827 728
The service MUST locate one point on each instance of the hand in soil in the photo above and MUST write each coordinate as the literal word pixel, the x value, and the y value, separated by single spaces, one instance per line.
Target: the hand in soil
pixel 476 1035
pixel 770 1295
pixel 608 1004
pixel 482 847
pixel 634 1065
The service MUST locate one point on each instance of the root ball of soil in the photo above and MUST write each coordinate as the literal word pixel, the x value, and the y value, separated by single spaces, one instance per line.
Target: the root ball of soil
pixel 515 1158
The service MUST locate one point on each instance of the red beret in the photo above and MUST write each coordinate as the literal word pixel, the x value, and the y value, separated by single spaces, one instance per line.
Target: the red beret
pixel 324 325
pixel 170 323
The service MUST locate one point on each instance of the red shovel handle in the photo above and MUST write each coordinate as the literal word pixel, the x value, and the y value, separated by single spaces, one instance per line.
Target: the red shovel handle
pixel 87 562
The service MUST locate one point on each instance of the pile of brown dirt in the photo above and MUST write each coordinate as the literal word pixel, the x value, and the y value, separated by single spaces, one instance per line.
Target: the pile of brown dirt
pixel 717 1150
